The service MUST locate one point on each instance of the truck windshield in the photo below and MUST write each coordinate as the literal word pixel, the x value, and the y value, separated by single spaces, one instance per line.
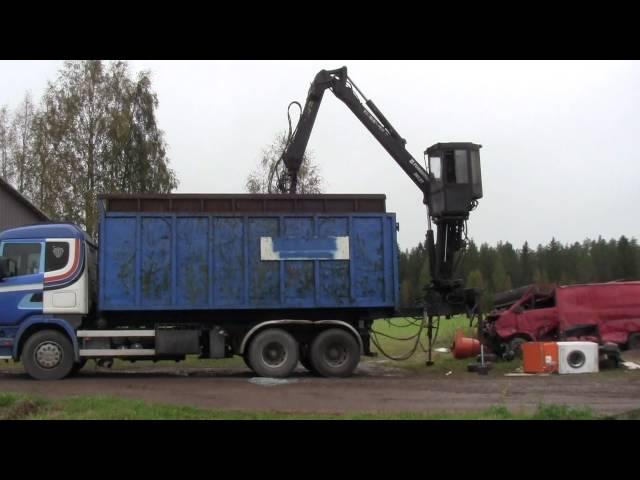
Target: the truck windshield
pixel 26 255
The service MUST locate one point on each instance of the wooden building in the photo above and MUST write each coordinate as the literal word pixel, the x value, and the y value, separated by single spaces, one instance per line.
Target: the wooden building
pixel 16 210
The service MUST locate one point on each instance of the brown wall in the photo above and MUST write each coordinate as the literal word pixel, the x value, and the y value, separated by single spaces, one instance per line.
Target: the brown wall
pixel 14 213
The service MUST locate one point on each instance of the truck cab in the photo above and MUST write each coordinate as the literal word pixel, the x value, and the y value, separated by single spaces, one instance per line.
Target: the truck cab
pixel 47 277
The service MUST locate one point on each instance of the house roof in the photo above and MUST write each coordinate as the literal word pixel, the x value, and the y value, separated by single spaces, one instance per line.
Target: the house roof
pixel 20 198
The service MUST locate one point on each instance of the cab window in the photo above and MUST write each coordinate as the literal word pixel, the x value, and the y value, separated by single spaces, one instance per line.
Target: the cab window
pixel 462 171
pixel 456 168
pixel 56 256
pixel 27 256
pixel 435 167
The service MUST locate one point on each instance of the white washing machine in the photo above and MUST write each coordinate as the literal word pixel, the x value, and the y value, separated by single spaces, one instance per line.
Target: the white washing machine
pixel 577 357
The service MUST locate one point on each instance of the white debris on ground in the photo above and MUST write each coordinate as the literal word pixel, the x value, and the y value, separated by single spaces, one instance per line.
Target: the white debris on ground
pixel 271 382
pixel 519 372
pixel 631 365
pixel 442 350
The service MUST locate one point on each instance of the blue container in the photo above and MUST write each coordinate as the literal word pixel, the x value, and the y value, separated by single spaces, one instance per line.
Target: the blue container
pixel 200 261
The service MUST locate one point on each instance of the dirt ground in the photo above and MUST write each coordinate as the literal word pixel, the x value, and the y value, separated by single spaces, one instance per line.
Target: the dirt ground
pixel 378 386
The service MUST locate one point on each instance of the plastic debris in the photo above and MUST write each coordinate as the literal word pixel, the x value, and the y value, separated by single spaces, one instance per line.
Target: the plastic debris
pixel 631 365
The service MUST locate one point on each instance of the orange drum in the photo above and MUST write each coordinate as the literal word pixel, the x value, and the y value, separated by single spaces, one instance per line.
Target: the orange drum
pixel 464 347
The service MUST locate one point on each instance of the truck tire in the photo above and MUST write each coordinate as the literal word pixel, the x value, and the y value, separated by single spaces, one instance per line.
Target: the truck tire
pixel 47 355
pixel 634 341
pixel 274 353
pixel 335 353
pixel 245 357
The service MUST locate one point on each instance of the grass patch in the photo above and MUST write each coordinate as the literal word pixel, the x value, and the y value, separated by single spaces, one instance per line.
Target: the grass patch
pixel 444 362
pixel 18 406
pixel 562 412
pixel 15 406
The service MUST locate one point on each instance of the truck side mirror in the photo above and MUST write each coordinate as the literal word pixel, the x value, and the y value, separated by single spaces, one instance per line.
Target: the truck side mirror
pixel 7 267
pixel 518 309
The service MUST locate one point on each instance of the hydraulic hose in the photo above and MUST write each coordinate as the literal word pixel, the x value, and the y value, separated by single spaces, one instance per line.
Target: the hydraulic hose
pixel 274 168
pixel 374 339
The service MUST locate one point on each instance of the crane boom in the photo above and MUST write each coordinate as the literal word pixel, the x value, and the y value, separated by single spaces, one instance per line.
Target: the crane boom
pixel 367 112
pixel 450 188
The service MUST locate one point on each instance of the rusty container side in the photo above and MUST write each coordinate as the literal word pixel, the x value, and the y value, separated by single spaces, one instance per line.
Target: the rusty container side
pixel 244 203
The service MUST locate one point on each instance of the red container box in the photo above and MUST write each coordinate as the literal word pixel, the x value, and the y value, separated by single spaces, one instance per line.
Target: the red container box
pixel 540 357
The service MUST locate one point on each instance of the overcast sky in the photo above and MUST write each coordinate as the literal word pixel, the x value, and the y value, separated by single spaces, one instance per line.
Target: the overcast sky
pixel 559 157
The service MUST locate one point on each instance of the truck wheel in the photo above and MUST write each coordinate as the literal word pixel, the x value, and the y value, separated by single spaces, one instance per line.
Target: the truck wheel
pixel 335 353
pixel 634 341
pixel 245 357
pixel 274 353
pixel 47 355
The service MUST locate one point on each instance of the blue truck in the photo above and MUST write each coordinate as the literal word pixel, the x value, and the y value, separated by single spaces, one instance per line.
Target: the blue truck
pixel 276 279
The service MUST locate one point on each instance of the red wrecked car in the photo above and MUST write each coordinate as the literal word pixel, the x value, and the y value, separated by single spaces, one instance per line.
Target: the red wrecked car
pixel 602 312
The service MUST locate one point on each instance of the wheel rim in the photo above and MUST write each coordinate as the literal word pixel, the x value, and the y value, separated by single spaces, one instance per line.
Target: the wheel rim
pixel 48 354
pixel 336 355
pixel 274 354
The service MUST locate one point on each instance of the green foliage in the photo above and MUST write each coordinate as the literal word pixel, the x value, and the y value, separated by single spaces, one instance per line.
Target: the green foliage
pixel 474 280
pixel 500 268
pixel 309 178
pixel 562 412
pixel 94 131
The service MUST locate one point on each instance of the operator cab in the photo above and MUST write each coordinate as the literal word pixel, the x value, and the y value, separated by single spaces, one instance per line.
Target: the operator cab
pixel 456 182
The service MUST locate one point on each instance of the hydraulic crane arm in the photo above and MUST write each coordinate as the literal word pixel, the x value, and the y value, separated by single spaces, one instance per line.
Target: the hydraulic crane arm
pixel 367 112
pixel 450 190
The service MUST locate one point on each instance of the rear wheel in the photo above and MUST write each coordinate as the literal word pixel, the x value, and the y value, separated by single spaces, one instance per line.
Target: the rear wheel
pixel 274 353
pixel 245 357
pixel 47 355
pixel 335 353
